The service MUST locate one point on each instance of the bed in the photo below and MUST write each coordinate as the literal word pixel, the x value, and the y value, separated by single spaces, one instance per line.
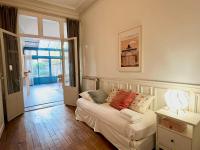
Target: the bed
pixel 123 135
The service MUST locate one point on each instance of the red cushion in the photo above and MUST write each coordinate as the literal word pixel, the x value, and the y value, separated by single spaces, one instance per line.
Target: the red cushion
pixel 122 99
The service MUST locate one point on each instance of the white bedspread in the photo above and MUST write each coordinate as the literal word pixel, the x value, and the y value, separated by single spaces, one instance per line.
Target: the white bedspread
pixel 111 117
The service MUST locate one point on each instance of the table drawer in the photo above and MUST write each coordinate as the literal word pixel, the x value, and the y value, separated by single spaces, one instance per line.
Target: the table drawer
pixel 173 141
pixel 165 138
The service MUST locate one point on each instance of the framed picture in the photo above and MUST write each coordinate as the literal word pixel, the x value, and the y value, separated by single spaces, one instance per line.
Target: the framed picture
pixel 130 50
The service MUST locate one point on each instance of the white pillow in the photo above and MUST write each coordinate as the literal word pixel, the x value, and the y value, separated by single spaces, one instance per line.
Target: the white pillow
pixel 141 103
pixel 86 96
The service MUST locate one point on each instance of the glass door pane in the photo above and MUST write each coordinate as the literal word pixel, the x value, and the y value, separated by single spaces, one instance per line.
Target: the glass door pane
pixel 12 63
pixel 69 63
pixel 66 64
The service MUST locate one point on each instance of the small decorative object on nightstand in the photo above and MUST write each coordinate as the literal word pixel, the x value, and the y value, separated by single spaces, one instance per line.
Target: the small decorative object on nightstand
pixel 177 132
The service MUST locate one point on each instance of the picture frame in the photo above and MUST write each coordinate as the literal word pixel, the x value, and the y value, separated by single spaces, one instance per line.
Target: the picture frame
pixel 130 49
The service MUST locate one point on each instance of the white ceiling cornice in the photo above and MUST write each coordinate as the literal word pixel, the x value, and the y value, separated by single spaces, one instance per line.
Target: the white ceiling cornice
pixel 79 6
pixel 51 7
pixel 61 5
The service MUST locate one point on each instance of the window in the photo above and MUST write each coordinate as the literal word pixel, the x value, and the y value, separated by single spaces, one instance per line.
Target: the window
pixel 43 67
pixel 34 71
pixel 54 44
pixel 43 53
pixel 30 52
pixel 41 25
pixel 51 28
pixel 28 25
pixel 55 53
pixel 41 39
pixel 56 66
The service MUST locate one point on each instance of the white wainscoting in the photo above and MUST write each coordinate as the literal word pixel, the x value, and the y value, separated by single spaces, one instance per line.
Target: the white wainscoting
pixel 154 88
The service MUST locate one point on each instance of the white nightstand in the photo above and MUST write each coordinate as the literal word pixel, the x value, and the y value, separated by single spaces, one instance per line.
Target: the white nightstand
pixel 177 132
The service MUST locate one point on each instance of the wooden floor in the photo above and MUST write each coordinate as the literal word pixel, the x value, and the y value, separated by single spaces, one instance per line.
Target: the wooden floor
pixel 52 128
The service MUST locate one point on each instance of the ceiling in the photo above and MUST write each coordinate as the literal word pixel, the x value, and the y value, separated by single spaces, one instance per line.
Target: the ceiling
pixel 64 8
pixel 77 5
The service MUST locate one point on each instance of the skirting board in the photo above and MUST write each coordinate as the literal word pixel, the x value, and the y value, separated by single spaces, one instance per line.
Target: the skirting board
pixel 1 129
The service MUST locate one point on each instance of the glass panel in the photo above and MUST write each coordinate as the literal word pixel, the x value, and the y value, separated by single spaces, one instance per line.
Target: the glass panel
pixel 52 44
pixel 28 25
pixel 12 63
pixel 34 71
pixel 54 53
pixel 30 52
pixel 56 67
pixel 43 53
pixel 51 28
pixel 66 61
pixel 69 61
pixel 65 30
pixel 43 67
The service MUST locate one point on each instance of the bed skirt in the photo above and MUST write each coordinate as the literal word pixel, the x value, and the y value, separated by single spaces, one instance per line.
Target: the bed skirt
pixel 119 141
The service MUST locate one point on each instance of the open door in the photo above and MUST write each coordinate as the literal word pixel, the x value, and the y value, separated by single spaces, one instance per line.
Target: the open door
pixel 70 71
pixel 12 78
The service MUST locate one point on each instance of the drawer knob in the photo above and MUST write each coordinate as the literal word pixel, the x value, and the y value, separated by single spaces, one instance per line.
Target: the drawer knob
pixel 172 141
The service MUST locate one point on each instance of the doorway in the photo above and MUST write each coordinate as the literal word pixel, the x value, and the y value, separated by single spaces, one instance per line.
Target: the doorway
pixel 43 75
pixel 50 66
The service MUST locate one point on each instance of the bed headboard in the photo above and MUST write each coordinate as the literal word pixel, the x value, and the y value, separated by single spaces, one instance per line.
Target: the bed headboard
pixel 154 88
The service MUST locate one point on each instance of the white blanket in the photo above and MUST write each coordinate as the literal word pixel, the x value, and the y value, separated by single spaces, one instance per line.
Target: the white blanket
pixel 131 116
pixel 111 117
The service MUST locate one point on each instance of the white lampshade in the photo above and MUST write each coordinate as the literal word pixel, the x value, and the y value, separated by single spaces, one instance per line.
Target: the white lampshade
pixel 176 99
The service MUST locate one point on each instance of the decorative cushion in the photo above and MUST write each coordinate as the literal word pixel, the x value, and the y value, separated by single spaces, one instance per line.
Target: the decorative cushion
pixel 141 103
pixel 112 95
pixel 98 96
pixel 122 99
pixel 86 96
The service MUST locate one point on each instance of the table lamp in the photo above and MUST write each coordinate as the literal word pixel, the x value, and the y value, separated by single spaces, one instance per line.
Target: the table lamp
pixel 176 100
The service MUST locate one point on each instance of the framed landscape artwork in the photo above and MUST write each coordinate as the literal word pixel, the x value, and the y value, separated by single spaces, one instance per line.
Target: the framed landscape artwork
pixel 130 51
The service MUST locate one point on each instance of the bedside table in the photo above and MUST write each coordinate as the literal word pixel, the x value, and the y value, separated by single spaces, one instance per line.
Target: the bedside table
pixel 177 132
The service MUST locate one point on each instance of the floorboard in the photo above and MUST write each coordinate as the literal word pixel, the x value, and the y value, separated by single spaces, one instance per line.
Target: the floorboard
pixel 53 128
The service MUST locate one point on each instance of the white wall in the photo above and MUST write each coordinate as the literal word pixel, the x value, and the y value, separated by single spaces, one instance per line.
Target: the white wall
pixel 171 38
